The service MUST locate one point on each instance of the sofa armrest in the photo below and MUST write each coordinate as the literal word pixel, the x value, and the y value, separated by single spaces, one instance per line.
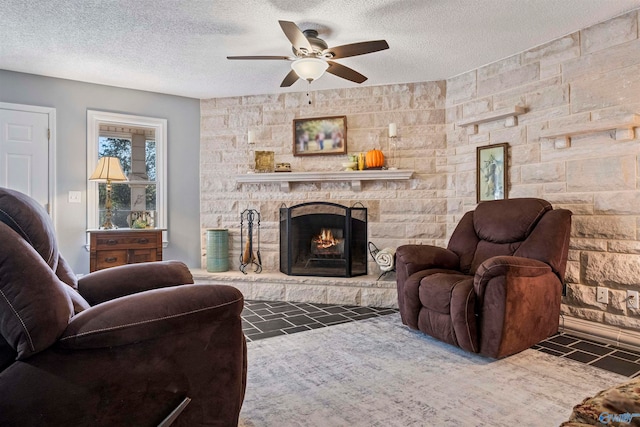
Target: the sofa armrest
pixel 506 266
pixel 131 361
pixel 115 282
pixel 518 304
pixel 413 258
pixel 148 315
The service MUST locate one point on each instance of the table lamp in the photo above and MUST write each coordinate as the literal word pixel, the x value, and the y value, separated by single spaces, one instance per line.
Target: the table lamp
pixel 108 170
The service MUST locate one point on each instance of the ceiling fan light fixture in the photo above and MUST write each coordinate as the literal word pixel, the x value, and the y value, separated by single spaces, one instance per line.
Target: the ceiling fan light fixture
pixel 309 68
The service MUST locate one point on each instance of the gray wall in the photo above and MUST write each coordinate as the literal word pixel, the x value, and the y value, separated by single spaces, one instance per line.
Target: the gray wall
pixel 72 99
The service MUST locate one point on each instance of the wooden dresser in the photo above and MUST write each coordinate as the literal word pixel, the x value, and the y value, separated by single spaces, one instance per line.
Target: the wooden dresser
pixel 110 248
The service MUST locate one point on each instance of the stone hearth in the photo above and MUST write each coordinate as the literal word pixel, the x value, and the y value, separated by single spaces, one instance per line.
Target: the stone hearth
pixel 366 291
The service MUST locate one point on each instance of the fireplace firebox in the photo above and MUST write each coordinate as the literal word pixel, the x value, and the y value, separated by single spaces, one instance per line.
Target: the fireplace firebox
pixel 323 239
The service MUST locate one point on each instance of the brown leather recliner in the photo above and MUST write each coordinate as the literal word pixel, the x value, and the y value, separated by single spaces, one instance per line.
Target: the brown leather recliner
pixel 496 289
pixel 119 347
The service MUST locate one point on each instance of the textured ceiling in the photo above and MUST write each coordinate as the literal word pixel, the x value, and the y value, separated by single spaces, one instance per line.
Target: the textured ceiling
pixel 180 46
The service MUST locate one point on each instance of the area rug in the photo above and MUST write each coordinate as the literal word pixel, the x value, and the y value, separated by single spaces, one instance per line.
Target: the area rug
pixel 377 372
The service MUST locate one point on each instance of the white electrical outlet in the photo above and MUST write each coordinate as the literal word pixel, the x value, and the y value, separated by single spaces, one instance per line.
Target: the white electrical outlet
pixel 632 299
pixel 602 295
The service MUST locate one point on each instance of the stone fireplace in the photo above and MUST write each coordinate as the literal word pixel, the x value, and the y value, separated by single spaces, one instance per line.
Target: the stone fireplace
pixel 323 239
pixel 403 206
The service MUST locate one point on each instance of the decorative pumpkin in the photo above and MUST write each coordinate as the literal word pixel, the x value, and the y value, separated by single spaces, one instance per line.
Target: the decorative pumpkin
pixel 374 159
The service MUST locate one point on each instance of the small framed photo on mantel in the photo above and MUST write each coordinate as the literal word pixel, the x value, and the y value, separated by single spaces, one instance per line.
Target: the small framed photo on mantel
pixel 320 136
pixel 491 166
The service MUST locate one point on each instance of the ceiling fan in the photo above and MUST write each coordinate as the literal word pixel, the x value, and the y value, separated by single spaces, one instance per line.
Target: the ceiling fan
pixel 313 56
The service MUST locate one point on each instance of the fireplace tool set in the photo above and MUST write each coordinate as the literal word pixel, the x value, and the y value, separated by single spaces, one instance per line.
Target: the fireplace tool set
pixel 248 256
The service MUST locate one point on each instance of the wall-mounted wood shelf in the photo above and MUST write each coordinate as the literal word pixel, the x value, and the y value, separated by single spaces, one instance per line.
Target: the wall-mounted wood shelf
pixel 284 179
pixel 509 114
pixel 623 128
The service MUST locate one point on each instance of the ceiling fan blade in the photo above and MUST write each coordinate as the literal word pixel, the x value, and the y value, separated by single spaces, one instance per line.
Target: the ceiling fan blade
pixel 290 79
pixel 285 58
pixel 345 72
pixel 355 49
pixel 295 36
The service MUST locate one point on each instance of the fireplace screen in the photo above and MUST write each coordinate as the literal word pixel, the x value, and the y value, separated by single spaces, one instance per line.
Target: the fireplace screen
pixel 323 239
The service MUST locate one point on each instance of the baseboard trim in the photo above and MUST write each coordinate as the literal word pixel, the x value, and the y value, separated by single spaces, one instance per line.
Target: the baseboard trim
pixel 600 332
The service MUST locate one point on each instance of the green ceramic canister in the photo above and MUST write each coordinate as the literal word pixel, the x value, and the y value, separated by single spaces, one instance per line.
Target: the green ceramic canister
pixel 217 250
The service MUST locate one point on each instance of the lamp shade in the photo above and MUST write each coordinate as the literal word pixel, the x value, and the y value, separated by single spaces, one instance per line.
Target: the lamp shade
pixel 309 68
pixel 108 169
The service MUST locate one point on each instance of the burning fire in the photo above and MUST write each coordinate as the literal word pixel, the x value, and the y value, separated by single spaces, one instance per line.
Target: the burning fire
pixel 325 239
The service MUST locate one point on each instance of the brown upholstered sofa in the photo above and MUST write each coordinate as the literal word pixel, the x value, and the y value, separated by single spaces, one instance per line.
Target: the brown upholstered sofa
pixel 496 288
pixel 119 347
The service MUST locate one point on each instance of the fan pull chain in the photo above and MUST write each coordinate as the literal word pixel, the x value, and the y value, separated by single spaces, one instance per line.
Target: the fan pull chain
pixel 308 97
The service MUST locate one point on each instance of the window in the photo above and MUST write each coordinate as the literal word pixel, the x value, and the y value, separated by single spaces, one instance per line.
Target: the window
pixel 140 144
pixel 134 201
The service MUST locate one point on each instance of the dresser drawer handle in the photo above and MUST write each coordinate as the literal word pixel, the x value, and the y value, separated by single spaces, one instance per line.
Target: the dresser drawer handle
pixel 111 259
pixel 143 241
pixel 112 242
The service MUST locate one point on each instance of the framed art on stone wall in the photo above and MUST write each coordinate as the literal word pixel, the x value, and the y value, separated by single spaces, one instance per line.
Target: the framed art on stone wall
pixel 318 136
pixel 264 161
pixel 491 167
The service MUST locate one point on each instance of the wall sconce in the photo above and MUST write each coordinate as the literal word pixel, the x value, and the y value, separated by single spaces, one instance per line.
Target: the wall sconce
pixel 393 130
pixel 251 156
pixel 393 146
pixel 108 170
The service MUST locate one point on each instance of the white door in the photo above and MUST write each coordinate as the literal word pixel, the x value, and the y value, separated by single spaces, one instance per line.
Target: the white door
pixel 24 153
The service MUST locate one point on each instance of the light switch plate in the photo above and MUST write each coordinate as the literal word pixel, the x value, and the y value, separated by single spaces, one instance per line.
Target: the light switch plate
pixel 75 196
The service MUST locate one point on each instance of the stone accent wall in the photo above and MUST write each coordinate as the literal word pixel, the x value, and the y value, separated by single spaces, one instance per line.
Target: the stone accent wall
pixel 590 75
pixel 399 211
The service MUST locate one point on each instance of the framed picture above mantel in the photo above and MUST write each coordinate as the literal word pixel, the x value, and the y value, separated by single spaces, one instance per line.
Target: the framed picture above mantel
pixel 320 136
pixel 491 166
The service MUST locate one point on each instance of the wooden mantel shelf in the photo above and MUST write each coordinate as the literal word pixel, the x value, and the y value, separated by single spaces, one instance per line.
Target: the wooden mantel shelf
pixel 623 127
pixel 510 114
pixel 355 177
